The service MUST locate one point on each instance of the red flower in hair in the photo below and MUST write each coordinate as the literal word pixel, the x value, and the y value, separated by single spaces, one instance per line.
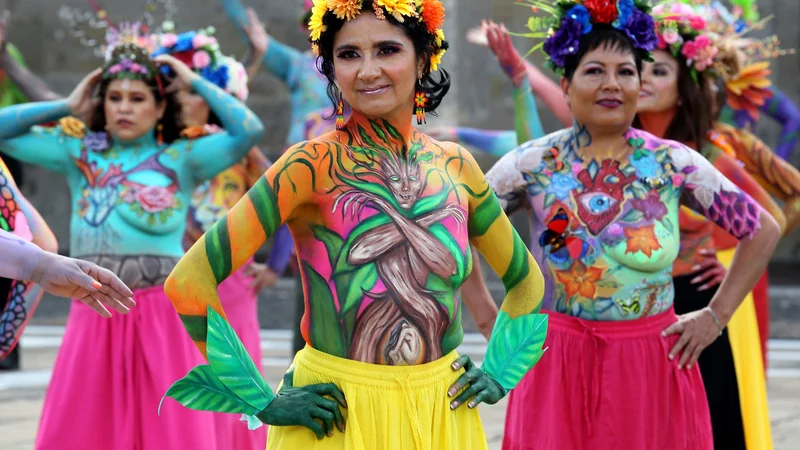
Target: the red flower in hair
pixel 432 15
pixel 185 57
pixel 601 11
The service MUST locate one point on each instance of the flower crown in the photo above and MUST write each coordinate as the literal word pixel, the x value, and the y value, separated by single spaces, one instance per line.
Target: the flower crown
pixel 427 12
pixel 127 55
pixel 570 20
pixel 200 51
pixel 683 31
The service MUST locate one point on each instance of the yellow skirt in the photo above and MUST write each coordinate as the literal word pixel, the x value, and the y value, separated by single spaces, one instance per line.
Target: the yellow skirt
pixel 746 348
pixel 389 407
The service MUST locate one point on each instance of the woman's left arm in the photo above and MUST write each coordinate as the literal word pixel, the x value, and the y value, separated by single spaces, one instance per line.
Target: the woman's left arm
pixel 212 154
pixel 515 345
pixel 707 191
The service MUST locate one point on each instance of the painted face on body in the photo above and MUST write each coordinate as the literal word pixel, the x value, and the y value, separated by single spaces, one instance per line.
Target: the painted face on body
pixel 130 109
pixel 604 90
pixel 404 180
pixel 659 84
pixel 376 67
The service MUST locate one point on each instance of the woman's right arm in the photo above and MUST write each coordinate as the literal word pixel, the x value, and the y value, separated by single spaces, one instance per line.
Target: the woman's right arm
pixel 21 139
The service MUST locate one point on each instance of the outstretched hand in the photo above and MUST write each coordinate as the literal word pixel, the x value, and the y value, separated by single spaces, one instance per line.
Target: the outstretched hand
pixel 91 284
pixel 480 387
pixel 507 56
pixel 306 406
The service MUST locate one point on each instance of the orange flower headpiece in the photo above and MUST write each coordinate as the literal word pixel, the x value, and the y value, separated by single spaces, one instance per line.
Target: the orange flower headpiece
pixel 427 12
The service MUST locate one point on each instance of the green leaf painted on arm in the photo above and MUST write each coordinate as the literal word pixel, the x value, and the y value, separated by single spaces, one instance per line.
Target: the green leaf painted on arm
pixel 324 330
pixel 201 390
pixel 514 347
pixel 232 364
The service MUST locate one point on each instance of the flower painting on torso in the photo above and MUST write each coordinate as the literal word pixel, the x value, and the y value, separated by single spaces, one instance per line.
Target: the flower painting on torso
pixel 605 223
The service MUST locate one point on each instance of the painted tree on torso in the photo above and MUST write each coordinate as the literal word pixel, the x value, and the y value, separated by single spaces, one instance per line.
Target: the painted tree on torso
pixel 606 221
pixel 394 232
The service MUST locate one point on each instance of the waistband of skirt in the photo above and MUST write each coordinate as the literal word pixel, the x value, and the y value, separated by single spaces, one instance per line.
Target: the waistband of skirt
pixel 645 326
pixel 376 375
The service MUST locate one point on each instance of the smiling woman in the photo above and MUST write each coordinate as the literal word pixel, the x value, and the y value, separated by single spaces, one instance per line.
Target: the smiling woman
pixel 130 178
pixel 383 217
pixel 603 198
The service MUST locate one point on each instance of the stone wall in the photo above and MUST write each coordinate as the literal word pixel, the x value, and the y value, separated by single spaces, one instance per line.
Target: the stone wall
pixel 480 96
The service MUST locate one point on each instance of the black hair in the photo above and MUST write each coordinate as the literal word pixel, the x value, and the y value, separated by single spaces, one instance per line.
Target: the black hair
pixel 695 113
pixel 606 37
pixel 424 46
pixel 171 120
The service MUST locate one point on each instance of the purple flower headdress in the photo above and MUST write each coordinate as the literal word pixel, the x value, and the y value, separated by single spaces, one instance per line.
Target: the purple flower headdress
pixel 569 20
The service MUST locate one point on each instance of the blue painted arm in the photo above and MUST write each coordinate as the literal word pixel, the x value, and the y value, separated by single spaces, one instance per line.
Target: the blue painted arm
pixel 212 154
pixel 281 250
pixel 494 142
pixel 20 138
pixel 526 115
pixel 782 109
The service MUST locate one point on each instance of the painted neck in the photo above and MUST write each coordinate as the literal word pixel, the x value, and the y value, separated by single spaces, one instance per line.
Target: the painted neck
pixel 602 137
pixel 657 123
pixel 398 130
pixel 148 139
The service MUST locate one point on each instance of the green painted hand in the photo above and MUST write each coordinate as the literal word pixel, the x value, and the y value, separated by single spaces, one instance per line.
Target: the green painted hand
pixel 480 386
pixel 306 406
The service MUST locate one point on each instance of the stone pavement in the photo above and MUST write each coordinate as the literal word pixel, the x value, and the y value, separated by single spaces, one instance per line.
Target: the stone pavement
pixel 22 393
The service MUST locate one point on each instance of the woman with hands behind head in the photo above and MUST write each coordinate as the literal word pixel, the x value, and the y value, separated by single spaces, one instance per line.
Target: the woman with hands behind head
pixel 130 177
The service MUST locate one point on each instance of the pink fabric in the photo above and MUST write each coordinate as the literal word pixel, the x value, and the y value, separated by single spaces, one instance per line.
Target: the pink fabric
pixel 110 375
pixel 608 386
pixel 241 307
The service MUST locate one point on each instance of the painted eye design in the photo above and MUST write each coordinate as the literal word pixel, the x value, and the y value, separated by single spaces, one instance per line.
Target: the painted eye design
pixel 394 178
pixel 412 178
pixel 597 202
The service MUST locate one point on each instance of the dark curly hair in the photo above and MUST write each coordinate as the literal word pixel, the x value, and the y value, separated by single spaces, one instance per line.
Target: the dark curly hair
pixel 424 44
pixel 171 120
pixel 696 106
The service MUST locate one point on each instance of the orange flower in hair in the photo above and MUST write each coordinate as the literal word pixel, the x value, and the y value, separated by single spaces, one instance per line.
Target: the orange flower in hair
pixel 345 9
pixel 432 15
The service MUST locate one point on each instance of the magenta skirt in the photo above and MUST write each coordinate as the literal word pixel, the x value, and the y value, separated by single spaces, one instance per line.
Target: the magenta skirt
pixel 608 386
pixel 110 375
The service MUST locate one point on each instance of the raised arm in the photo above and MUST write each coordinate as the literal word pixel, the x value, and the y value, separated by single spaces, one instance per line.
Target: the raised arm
pixel 48 148
pixel 784 110
pixel 30 85
pixel 516 341
pixel 212 154
pixel 707 191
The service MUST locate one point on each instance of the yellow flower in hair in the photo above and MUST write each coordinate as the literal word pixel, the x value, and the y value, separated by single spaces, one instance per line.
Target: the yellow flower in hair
pixel 73 127
pixel 399 8
pixel 436 59
pixel 439 37
pixel 315 25
pixel 345 9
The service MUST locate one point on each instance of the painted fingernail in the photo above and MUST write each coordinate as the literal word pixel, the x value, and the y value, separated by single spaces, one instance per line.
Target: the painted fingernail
pixel 96 284
pixel 455 366
pixel 696 267
pixel 670 357
pixel 663 334
pixel 471 405
pixel 451 392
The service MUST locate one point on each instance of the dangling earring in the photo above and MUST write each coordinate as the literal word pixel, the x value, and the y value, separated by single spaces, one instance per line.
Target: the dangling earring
pixel 160 134
pixel 420 100
pixel 340 113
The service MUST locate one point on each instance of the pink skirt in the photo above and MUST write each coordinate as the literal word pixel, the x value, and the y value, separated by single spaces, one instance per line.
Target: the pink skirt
pixel 241 307
pixel 110 375
pixel 608 386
